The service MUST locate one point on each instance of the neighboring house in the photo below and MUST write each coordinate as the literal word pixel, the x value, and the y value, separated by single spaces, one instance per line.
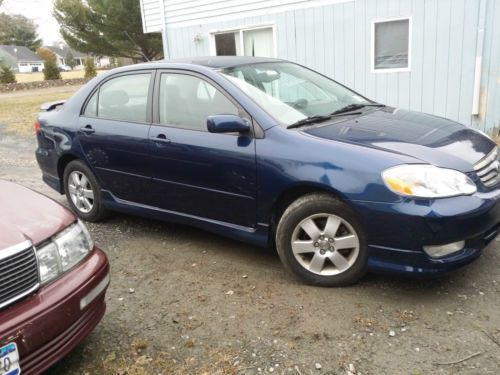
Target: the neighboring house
pixel 435 56
pixel 61 52
pixel 20 59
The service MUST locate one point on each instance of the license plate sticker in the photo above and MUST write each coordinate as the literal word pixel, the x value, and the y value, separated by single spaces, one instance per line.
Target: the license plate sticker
pixel 9 360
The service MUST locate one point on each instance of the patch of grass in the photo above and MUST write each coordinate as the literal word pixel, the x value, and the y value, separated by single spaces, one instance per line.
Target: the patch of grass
pixel 38 76
pixel 18 114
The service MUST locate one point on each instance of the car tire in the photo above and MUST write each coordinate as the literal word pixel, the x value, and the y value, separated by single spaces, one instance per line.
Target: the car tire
pixel 331 251
pixel 83 191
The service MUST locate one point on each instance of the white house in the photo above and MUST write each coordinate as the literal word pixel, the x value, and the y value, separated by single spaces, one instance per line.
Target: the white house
pixel 436 56
pixel 20 59
pixel 61 51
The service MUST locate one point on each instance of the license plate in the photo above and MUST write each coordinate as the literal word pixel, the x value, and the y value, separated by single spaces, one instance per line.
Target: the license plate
pixel 9 360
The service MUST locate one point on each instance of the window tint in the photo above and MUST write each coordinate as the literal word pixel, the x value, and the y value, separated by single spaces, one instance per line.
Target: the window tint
pixel 91 108
pixel 186 101
pixel 391 44
pixel 124 98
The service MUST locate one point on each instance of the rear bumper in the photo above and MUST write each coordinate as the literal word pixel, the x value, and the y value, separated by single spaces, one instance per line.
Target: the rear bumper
pixel 47 161
pixel 398 232
pixel 50 323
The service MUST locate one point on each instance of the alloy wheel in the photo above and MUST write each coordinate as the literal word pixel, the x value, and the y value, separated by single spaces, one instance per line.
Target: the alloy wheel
pixel 80 191
pixel 325 244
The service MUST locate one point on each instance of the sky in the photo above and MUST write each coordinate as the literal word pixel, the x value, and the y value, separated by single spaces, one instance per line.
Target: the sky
pixel 40 11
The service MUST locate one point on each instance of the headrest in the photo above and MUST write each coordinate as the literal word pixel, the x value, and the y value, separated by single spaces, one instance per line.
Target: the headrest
pixel 113 98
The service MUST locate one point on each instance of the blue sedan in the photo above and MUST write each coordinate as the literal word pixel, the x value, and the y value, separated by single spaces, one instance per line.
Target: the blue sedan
pixel 272 153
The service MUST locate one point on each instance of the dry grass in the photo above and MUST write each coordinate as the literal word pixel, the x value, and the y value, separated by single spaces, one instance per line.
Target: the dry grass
pixel 38 76
pixel 136 364
pixel 18 114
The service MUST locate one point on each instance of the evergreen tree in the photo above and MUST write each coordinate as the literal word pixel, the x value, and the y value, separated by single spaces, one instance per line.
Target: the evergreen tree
pixel 70 60
pixel 6 74
pixel 107 28
pixel 90 71
pixel 50 70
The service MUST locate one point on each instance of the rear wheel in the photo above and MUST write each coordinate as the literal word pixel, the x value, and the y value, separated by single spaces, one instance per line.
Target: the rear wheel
pixel 320 241
pixel 83 191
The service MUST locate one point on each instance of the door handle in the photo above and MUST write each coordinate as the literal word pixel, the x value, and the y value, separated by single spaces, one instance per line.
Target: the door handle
pixel 161 138
pixel 87 129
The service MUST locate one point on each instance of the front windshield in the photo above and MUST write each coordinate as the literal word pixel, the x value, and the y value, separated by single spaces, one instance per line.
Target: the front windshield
pixel 290 92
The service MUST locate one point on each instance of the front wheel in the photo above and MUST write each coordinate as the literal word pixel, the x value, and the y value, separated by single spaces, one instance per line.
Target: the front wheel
pixel 320 241
pixel 83 191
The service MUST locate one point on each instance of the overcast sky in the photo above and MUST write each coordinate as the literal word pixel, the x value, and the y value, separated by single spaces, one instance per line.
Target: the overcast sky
pixel 40 11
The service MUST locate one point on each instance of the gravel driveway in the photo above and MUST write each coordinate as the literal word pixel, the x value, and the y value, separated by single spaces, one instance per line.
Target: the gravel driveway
pixel 186 301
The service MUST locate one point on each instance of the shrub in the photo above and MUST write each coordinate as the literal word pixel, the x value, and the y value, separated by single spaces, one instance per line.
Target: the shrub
pixel 70 60
pixel 51 71
pixel 90 71
pixel 6 75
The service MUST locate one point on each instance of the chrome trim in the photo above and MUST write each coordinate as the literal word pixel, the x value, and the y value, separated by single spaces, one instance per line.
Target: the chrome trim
pixel 486 160
pixel 13 250
pixel 488 169
pixel 22 295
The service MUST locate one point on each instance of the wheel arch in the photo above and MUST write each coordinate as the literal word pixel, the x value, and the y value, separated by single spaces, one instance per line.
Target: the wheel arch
pixel 64 160
pixel 292 193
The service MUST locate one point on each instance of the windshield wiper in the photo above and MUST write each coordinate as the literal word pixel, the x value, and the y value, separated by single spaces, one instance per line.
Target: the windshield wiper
pixel 308 120
pixel 353 107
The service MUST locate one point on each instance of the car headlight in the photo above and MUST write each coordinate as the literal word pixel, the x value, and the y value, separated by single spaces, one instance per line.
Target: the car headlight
pixel 427 181
pixel 64 251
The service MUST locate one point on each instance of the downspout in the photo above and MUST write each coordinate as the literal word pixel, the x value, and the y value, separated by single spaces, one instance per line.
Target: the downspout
pixel 479 58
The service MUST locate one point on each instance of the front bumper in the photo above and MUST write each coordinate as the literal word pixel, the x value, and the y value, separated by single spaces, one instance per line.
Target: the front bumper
pixel 397 232
pixel 50 323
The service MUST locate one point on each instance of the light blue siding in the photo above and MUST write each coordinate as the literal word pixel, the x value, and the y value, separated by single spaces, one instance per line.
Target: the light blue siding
pixel 336 40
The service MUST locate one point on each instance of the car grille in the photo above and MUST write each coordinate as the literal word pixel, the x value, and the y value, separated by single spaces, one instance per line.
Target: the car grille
pixel 18 273
pixel 487 168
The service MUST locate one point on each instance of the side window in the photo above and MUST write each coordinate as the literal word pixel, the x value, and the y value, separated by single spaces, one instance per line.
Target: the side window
pixel 123 98
pixel 186 101
pixel 91 108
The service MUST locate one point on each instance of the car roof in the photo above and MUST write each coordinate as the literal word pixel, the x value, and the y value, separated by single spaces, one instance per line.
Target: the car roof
pixel 213 62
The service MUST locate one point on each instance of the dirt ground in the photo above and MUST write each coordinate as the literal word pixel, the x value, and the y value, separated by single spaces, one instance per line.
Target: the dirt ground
pixel 183 301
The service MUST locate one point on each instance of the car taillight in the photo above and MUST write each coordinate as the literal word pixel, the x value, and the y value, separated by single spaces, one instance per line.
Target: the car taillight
pixel 38 127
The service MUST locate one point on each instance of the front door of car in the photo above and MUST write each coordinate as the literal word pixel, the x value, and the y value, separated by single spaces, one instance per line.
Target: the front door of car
pixel 113 134
pixel 206 175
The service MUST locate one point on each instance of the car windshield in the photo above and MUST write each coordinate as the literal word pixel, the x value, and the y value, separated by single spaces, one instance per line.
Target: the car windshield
pixel 291 93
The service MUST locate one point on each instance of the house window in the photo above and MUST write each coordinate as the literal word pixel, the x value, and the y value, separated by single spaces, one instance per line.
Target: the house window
pixel 250 41
pixel 391 50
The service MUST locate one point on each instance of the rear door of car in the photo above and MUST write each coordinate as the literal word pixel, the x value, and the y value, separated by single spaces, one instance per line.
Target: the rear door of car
pixel 113 132
pixel 206 175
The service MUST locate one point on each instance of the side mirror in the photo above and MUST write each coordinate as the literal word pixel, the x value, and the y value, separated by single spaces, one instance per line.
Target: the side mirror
pixel 227 124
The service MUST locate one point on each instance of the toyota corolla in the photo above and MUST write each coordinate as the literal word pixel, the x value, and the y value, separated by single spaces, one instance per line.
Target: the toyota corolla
pixel 273 153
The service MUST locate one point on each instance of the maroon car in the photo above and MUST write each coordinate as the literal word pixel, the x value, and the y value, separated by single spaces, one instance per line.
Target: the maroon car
pixel 52 281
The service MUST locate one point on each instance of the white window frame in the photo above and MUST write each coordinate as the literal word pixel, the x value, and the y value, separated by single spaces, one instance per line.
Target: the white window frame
pixel 240 30
pixel 372 54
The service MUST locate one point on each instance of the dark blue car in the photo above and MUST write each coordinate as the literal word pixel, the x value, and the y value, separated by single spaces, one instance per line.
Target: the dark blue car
pixel 269 152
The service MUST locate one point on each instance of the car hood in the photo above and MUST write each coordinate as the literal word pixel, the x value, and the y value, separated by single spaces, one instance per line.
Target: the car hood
pixel 426 138
pixel 27 215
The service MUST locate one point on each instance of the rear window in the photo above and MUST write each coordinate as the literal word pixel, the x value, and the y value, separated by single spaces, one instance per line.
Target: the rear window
pixel 123 98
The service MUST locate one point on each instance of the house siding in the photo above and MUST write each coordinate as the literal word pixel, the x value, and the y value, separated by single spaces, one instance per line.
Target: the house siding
pixel 335 39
